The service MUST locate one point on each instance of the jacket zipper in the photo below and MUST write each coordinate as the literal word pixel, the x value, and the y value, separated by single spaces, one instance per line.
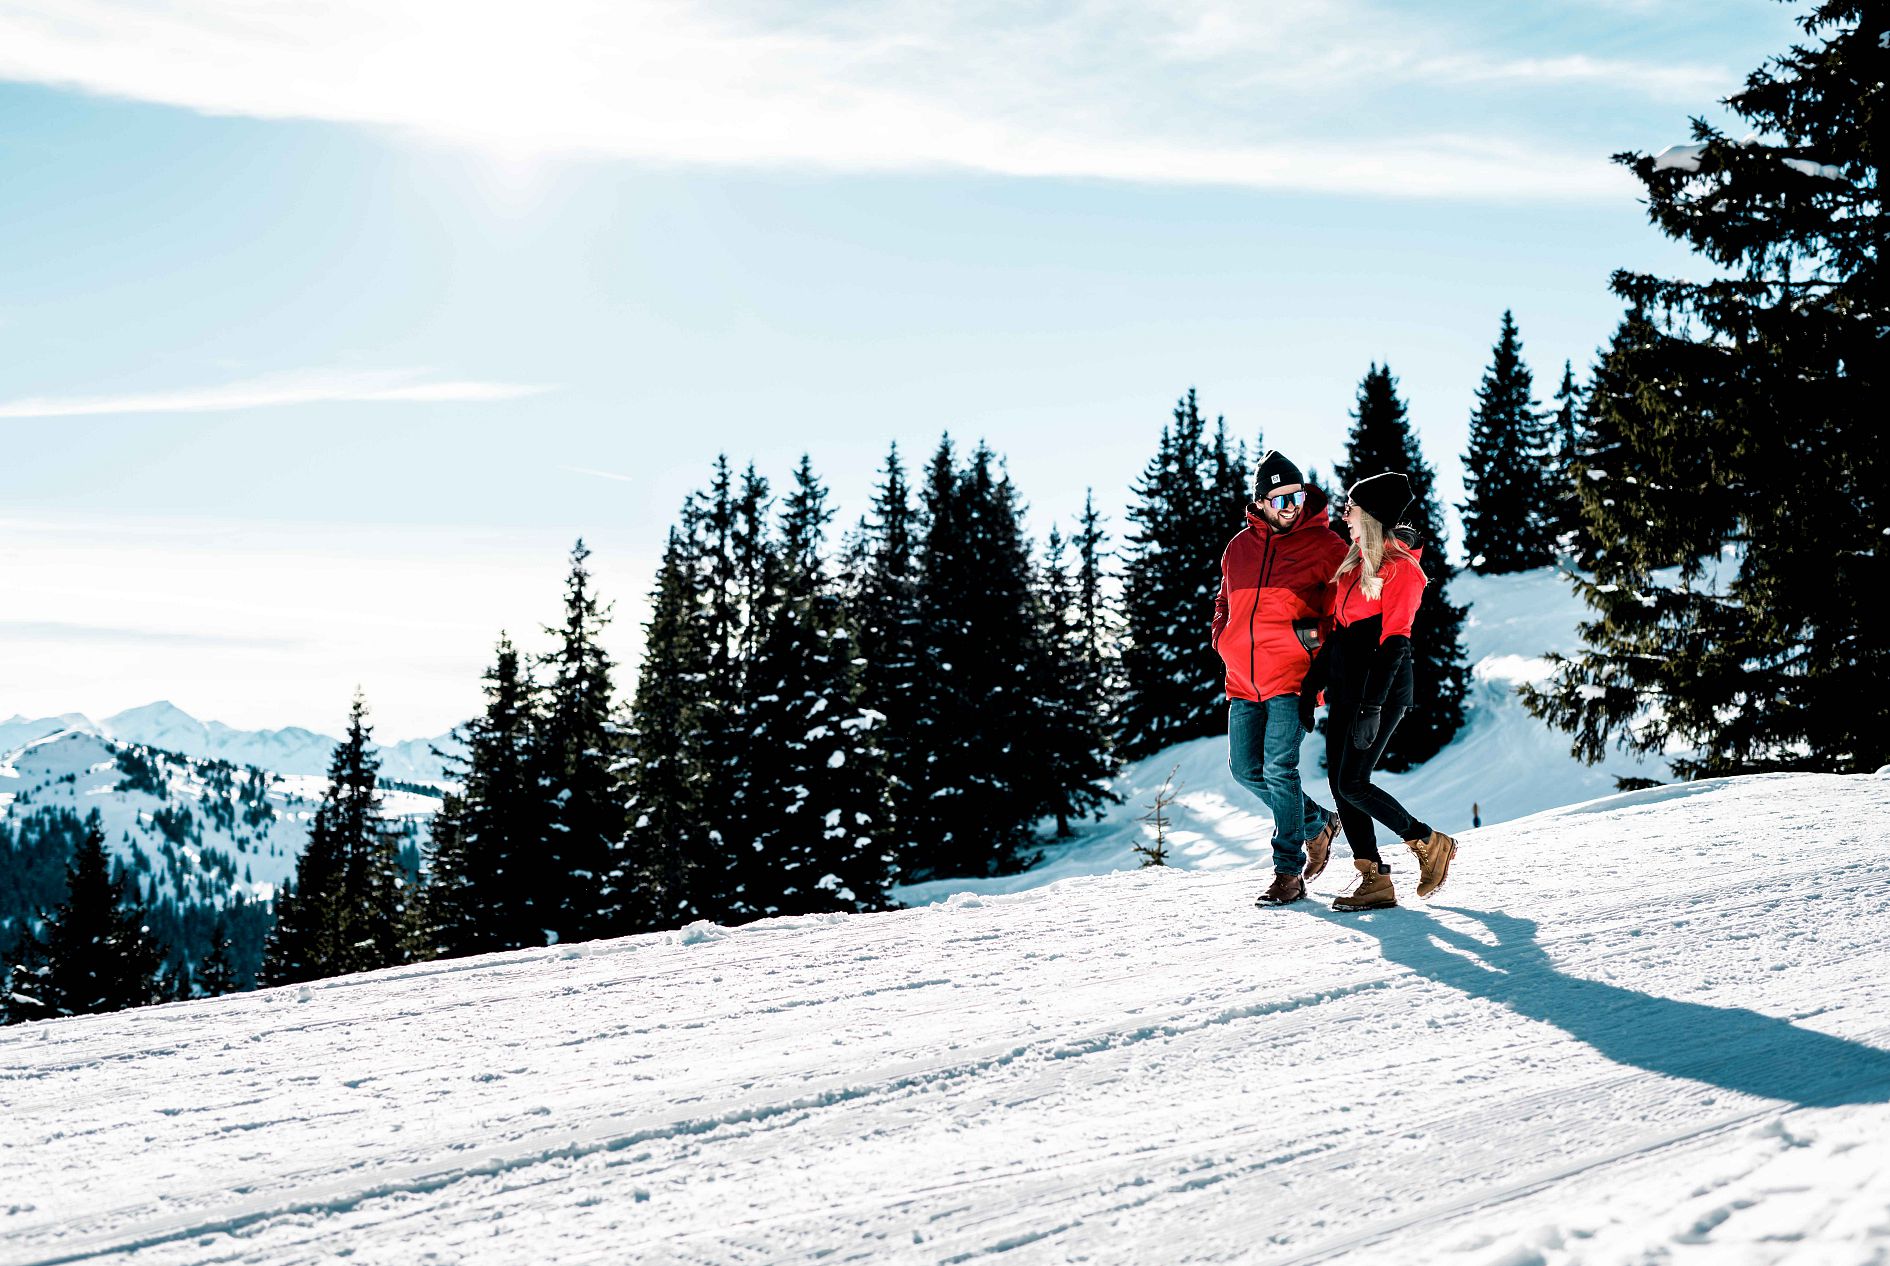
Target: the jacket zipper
pixel 1266 566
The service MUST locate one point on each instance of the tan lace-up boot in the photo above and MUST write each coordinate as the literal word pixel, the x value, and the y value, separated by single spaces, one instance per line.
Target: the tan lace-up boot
pixel 1319 847
pixel 1433 854
pixel 1374 891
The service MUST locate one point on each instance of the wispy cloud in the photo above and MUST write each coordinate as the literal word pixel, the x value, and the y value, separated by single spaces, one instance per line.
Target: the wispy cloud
pixel 600 474
pixel 406 386
pixel 67 632
pixel 1322 95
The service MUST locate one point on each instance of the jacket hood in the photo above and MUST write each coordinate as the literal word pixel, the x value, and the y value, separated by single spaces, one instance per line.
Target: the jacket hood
pixel 1312 514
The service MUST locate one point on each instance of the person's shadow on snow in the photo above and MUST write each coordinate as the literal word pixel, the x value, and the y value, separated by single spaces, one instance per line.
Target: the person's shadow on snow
pixel 1728 1047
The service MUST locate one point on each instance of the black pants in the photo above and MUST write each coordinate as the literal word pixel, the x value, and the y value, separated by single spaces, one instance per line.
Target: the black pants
pixel 1350 772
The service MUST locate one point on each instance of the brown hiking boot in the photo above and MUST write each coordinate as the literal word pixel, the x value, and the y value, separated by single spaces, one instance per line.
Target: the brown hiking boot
pixel 1284 891
pixel 1319 847
pixel 1433 855
pixel 1374 891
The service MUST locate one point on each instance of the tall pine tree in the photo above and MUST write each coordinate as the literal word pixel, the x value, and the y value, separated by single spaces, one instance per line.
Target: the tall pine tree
pixel 883 595
pixel 1565 447
pixel 822 820
pixel 1734 487
pixel 1189 500
pixel 484 838
pixel 974 801
pixel 581 882
pixel 1509 517
pixel 346 909
pixel 1070 720
pixel 1382 440
pixel 95 953
pixel 666 765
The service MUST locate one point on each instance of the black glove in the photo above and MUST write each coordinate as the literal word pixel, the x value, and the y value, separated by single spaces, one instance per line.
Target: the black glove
pixel 1307 700
pixel 1365 729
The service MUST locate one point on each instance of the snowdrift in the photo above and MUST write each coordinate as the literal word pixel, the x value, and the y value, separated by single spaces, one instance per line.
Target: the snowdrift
pixel 1651 1027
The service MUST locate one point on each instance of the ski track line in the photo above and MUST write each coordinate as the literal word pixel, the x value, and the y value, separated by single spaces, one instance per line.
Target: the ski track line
pixel 1509 1192
pixel 433 1174
pixel 1513 1109
pixel 1064 1046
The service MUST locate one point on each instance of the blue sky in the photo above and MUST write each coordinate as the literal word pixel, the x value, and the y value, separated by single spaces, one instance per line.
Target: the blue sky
pixel 293 295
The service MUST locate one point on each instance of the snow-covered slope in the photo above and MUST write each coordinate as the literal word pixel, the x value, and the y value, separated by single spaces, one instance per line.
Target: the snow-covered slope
pixel 292 750
pixel 1504 761
pixel 1650 1028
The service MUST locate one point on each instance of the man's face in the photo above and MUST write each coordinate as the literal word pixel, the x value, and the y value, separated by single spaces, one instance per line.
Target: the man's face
pixel 1283 516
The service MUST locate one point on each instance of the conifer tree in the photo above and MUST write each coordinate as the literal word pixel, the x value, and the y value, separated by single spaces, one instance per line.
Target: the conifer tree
pixel 218 975
pixel 484 839
pixel 883 596
pixel 1070 719
pixel 95 953
pixel 1189 500
pixel 1734 487
pixel 1381 439
pixel 822 820
pixel 1565 443
pixel 582 882
pixel 1509 515
pixel 666 764
pixel 976 802
pixel 345 910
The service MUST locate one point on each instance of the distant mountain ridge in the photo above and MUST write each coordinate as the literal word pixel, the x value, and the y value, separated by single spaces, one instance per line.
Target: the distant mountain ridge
pixel 291 750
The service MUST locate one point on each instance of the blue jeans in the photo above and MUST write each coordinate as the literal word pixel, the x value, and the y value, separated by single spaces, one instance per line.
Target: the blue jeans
pixel 1263 752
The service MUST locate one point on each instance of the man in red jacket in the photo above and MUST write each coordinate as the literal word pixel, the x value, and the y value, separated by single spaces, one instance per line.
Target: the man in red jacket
pixel 1273 610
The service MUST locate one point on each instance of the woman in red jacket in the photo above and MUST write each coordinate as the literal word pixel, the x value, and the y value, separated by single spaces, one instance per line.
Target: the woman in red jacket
pixel 1366 671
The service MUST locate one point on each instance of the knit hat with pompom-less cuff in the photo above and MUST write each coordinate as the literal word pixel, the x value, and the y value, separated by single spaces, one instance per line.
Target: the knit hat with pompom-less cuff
pixel 1385 497
pixel 1274 471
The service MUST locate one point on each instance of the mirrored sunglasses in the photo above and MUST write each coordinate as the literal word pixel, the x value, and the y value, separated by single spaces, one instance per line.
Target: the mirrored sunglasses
pixel 1288 499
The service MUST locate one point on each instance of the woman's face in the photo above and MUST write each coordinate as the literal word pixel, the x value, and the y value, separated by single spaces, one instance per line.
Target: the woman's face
pixel 1352 517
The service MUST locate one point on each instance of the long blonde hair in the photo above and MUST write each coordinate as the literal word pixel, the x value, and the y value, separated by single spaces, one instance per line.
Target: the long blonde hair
pixel 1371 547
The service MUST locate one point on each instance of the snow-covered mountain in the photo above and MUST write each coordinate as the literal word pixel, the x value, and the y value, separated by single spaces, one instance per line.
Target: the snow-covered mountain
pixel 206 830
pixel 292 750
pixel 1640 1029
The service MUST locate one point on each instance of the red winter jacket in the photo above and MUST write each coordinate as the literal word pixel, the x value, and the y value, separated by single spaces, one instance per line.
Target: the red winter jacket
pixel 1397 599
pixel 1275 602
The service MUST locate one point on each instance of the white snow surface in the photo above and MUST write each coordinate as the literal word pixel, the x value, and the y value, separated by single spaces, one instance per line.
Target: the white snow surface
pixel 1650 1028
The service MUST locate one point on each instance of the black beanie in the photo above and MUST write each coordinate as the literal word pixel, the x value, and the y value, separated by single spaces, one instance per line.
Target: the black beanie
pixel 1385 497
pixel 1274 472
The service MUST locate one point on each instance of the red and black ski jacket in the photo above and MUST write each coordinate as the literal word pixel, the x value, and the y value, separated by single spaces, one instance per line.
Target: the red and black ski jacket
pixel 1368 660
pixel 1274 607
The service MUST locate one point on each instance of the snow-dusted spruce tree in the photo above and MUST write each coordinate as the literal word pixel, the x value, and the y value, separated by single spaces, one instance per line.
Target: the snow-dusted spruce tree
pixel 882 593
pixel 1734 490
pixel 1508 516
pixel 577 874
pixel 973 798
pixel 1734 479
pixel 818 785
pixel 1380 440
pixel 1099 624
pixel 1188 501
pixel 346 909
pixel 218 975
pixel 94 953
pixel 665 764
pixel 1073 756
pixel 485 838
pixel 1565 518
